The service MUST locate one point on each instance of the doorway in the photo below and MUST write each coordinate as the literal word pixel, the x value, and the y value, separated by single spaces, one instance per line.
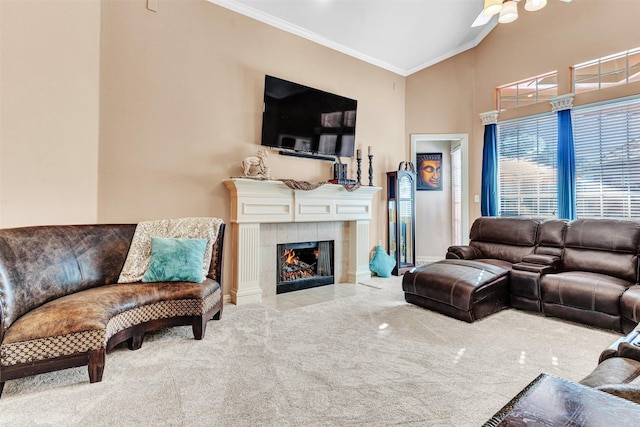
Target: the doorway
pixel 442 216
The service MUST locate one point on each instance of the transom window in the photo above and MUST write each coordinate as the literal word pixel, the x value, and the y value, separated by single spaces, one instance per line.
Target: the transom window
pixel 530 91
pixel 613 70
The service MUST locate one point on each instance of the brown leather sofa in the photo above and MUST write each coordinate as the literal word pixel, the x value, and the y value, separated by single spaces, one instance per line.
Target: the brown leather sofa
pixel 61 305
pixel 599 264
pixel 618 371
pixel 584 270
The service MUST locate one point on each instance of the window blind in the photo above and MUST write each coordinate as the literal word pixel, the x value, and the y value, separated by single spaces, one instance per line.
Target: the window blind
pixel 527 166
pixel 607 150
pixel 456 195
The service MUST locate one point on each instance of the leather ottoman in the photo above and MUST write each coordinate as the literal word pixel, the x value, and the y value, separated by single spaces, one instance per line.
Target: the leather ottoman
pixel 463 289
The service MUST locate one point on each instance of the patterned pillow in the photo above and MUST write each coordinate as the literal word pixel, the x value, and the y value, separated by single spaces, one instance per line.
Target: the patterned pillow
pixel 139 256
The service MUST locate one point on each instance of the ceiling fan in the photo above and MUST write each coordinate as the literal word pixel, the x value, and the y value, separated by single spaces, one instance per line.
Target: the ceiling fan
pixel 508 10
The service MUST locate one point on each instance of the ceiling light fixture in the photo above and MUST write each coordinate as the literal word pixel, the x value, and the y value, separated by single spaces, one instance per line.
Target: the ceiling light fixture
pixel 509 12
pixel 491 7
pixel 533 5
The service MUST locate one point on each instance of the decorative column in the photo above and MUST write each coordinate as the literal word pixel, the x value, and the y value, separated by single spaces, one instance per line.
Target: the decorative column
pixel 562 102
pixel 246 287
pixel 359 251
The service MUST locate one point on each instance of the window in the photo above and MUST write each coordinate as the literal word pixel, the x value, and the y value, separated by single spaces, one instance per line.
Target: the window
pixel 613 70
pixel 456 195
pixel 527 153
pixel 607 150
pixel 530 91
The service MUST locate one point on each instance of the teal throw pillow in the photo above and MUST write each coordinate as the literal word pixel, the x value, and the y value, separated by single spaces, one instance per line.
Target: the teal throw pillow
pixel 176 260
pixel 382 263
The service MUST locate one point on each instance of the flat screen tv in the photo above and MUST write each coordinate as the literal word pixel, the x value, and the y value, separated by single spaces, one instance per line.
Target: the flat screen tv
pixel 308 122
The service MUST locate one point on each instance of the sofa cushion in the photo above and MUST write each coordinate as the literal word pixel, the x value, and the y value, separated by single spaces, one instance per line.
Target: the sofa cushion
pixel 551 237
pixel 176 260
pixel 615 264
pixel 584 290
pixel 507 239
pixel 604 234
pixel 92 309
pixel 501 251
pixel 603 246
pixel 511 231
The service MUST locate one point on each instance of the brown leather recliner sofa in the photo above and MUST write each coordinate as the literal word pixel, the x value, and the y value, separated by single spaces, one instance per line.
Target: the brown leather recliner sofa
pixel 61 305
pixel 584 270
pixel 618 370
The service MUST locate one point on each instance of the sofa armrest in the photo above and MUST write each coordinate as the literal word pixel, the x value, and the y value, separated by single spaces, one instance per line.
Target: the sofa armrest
pixel 463 252
pixel 542 259
pixel 630 350
pixel 612 350
pixel 627 346
pixel 217 257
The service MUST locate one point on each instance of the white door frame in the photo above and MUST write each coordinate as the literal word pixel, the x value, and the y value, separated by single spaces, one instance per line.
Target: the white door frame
pixel 463 140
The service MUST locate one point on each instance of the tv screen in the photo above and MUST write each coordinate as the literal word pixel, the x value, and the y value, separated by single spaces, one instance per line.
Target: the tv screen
pixel 301 119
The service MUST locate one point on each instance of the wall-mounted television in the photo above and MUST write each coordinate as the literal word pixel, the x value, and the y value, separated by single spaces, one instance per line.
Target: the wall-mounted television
pixel 307 122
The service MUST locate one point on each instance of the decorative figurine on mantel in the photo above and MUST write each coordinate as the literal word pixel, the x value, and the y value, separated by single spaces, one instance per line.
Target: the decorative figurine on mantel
pixel 256 166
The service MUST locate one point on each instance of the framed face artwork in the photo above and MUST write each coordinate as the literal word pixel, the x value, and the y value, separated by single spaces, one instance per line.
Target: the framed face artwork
pixel 428 168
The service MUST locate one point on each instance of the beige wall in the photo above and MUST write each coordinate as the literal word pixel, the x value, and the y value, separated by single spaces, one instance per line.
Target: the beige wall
pixel 49 76
pixel 181 105
pixel 448 97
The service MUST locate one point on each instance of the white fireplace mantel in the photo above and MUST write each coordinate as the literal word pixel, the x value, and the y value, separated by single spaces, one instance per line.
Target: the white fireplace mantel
pixel 255 202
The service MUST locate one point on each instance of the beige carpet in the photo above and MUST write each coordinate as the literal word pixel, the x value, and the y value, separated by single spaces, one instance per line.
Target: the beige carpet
pixel 365 359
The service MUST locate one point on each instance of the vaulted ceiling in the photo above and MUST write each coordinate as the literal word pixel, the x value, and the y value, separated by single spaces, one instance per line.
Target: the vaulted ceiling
pixel 402 36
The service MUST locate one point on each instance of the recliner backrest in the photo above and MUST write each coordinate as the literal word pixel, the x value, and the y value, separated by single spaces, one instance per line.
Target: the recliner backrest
pixel 551 234
pixel 604 246
pixel 505 238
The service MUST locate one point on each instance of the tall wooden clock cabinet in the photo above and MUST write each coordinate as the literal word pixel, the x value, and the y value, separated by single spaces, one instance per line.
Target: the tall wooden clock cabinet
pixel 401 191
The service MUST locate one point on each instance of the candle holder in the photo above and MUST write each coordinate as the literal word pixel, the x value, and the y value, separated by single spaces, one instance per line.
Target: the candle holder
pixel 358 173
pixel 370 170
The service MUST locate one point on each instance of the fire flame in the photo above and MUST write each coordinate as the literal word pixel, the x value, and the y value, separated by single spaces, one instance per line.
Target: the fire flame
pixel 290 256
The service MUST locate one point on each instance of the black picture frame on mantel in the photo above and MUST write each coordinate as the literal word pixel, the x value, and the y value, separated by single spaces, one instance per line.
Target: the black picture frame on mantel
pixel 428 171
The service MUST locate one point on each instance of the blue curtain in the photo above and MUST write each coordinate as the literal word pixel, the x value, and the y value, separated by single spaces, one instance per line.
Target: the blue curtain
pixel 566 167
pixel 489 198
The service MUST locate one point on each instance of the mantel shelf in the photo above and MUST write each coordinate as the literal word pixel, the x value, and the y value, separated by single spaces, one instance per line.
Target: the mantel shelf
pixel 273 202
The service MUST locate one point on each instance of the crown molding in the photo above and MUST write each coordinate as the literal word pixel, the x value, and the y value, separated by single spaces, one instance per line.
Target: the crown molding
pixel 304 33
pixel 316 38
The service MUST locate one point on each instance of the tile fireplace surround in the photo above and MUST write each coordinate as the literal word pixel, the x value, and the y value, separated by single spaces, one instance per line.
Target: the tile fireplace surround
pixel 265 213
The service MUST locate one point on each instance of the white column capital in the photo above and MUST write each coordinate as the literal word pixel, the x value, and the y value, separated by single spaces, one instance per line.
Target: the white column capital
pixel 562 102
pixel 490 117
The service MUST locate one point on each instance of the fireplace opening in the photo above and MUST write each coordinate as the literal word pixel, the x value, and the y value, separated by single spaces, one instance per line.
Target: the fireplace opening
pixel 304 265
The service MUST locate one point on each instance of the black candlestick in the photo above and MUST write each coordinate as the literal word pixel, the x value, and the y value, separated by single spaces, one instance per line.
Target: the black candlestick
pixel 370 170
pixel 359 160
